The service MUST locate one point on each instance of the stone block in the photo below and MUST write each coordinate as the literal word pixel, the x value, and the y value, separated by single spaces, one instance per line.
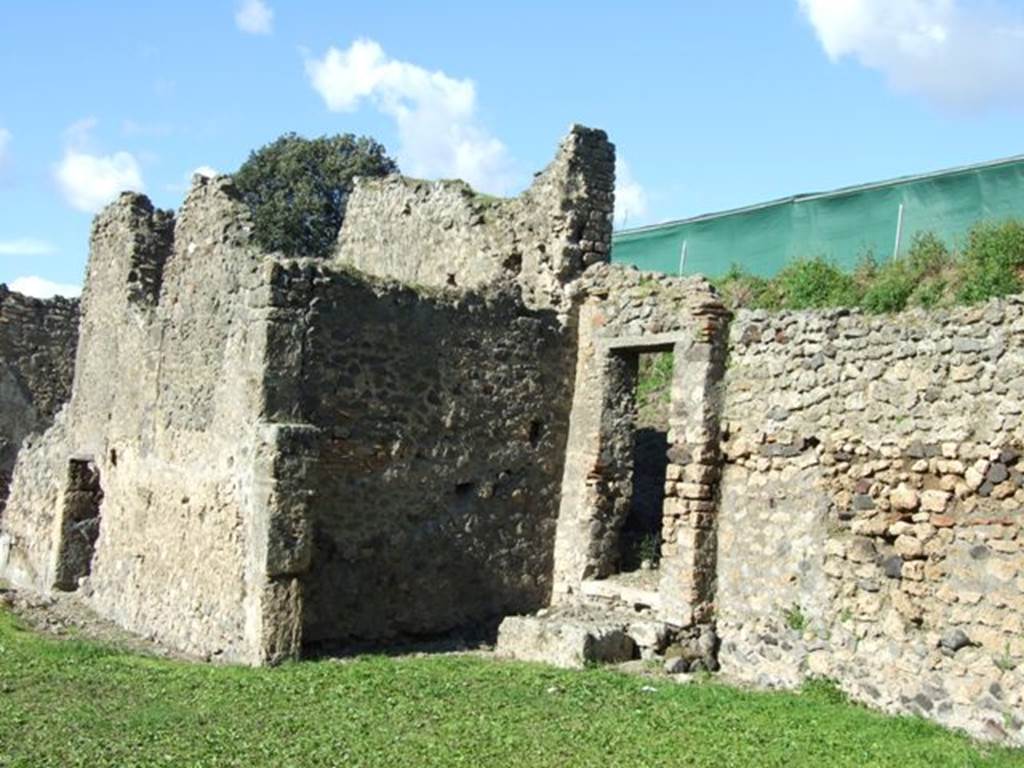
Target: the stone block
pixel 908 547
pixel 563 642
pixel 904 499
pixel 934 501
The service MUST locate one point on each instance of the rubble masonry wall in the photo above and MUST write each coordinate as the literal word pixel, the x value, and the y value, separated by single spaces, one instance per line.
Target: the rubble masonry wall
pixel 440 421
pixel 37 358
pixel 871 508
pixel 443 234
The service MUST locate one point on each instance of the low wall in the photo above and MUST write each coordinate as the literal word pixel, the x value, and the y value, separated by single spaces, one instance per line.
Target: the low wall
pixel 871 509
pixel 37 359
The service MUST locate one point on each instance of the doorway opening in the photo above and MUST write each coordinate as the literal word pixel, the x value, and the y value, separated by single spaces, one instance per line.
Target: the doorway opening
pixel 80 525
pixel 640 536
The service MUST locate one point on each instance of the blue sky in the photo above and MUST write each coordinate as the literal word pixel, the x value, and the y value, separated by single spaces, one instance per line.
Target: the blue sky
pixel 711 105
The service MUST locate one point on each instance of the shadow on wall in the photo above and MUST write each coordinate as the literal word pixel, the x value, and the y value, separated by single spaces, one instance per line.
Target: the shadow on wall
pixel 443 418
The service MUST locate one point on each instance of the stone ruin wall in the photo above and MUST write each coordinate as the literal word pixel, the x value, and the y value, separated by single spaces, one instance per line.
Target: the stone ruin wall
pixel 284 453
pixel 438 420
pixel 435 396
pixel 625 312
pixel 164 412
pixel 870 525
pixel 37 354
pixel 221 464
pixel 443 234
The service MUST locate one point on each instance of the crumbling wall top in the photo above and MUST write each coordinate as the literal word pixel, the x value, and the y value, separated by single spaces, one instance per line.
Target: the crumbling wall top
pixel 445 234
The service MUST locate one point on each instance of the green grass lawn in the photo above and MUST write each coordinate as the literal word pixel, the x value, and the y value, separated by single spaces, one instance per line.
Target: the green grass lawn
pixel 71 703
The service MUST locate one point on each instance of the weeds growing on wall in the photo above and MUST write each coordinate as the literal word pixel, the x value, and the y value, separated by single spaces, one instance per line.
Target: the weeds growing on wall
pixel 989 264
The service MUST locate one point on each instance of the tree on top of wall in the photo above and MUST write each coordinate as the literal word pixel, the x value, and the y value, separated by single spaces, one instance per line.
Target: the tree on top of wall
pixel 297 188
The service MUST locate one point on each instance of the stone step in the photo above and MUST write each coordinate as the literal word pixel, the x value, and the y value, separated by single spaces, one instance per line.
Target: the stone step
pixel 577 635
pixel 611 591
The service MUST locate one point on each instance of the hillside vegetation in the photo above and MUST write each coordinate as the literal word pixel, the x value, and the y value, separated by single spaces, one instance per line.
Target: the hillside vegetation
pixel 990 263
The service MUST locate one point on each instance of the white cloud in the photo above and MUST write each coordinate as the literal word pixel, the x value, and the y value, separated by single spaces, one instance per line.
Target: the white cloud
pixel 438 129
pixel 5 143
pixel 630 196
pixel 41 288
pixel 89 181
pixel 255 17
pixel 26 246
pixel 186 180
pixel 958 53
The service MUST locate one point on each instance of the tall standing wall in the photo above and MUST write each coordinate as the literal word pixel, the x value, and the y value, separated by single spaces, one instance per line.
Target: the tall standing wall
pixel 437 421
pixel 438 405
pixel 160 456
pixel 262 452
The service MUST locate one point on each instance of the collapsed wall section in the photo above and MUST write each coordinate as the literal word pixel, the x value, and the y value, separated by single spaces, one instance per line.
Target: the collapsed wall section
pixel 443 234
pixel 871 510
pixel 440 419
pixel 37 356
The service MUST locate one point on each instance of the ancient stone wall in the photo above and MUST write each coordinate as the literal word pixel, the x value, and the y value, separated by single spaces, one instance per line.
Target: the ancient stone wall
pixel 624 313
pixel 443 234
pixel 262 452
pixel 440 419
pixel 167 395
pixel 37 356
pixel 871 509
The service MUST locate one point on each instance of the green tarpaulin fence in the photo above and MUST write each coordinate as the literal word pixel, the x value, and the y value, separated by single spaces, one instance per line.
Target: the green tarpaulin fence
pixel 842 225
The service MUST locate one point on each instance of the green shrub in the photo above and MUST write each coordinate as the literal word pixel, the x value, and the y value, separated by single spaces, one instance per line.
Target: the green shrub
pixel 992 262
pixel 931 293
pixel 890 290
pixel 929 275
pixel 928 255
pixel 654 380
pixel 816 283
pixel 297 189
pixel 739 288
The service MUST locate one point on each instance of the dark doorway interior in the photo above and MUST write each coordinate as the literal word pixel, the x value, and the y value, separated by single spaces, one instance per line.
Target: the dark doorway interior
pixel 81 528
pixel 640 539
